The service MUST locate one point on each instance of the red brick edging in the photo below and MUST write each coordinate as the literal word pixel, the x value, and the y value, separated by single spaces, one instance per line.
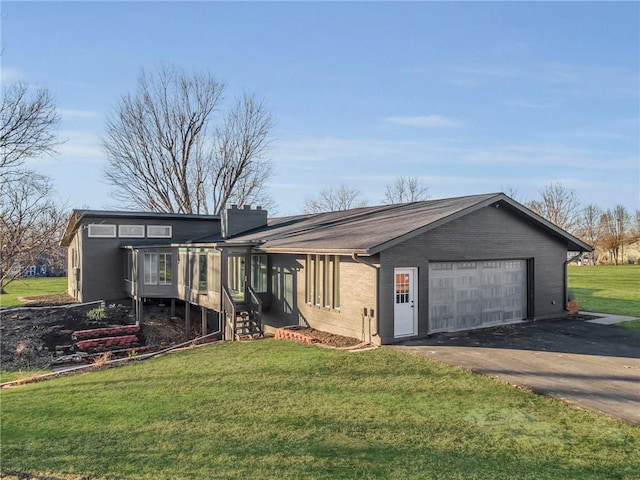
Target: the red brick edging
pixel 289 333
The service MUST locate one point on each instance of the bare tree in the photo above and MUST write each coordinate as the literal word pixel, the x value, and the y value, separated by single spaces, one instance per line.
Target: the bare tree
pixel 333 199
pixel 30 225
pixel 589 229
pixel 559 205
pixel 28 119
pixel 240 168
pixel 406 189
pixel 165 152
pixel 615 224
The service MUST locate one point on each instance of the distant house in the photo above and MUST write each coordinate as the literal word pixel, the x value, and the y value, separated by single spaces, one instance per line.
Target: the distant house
pixel 381 274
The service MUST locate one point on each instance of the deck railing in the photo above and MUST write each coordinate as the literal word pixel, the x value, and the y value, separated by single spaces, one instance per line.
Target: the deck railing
pixel 229 310
pixel 255 306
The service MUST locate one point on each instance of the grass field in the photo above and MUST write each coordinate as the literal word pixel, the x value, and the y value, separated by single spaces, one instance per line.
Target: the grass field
pixel 29 287
pixel 607 288
pixel 274 409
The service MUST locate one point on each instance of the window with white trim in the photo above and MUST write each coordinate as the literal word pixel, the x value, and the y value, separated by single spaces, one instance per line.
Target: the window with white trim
pixel 159 231
pixel 131 231
pixel 101 230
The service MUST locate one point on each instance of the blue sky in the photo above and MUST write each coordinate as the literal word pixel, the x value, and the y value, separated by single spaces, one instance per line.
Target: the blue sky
pixel 469 97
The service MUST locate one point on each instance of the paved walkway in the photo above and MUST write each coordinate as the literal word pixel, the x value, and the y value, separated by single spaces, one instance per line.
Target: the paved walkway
pixel 608 319
pixel 596 367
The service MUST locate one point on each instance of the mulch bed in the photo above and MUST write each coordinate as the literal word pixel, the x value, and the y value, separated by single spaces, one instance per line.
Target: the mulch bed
pixel 30 334
pixel 318 337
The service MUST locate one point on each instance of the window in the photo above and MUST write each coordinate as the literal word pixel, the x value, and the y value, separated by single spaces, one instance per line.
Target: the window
pixel 323 281
pixel 158 231
pixel 131 231
pixel 157 268
pixel 165 272
pixel 202 272
pixel 128 261
pixel 236 276
pixel 259 273
pixel 150 268
pixel 101 230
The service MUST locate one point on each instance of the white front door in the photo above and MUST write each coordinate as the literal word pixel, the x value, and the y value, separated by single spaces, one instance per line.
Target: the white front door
pixel 405 311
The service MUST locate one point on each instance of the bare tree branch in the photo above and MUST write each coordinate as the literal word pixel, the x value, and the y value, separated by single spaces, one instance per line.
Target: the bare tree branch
pixel 330 200
pixel 30 224
pixel 615 224
pixel 559 205
pixel 406 189
pixel 28 119
pixel 241 169
pixel 164 152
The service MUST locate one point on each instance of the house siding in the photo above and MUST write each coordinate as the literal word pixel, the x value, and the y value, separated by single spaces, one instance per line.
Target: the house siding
pixel 486 234
pixel 102 260
pixel 357 292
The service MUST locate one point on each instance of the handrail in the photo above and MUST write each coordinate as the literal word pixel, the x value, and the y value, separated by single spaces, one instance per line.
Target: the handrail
pixel 229 307
pixel 255 304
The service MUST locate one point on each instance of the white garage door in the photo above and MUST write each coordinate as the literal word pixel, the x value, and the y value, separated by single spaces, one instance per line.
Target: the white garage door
pixel 465 295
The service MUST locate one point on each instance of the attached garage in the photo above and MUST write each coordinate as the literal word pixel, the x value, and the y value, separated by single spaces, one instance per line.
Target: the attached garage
pixel 465 295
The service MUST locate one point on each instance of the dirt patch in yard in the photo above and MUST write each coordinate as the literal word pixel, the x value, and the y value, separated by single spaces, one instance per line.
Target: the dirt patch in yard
pixel 32 337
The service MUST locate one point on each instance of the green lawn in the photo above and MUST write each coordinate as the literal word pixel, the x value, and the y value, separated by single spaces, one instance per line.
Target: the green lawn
pixel 29 287
pixel 274 409
pixel 633 325
pixel 607 288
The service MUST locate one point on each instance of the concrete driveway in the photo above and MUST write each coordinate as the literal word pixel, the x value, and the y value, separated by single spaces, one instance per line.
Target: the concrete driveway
pixel 596 367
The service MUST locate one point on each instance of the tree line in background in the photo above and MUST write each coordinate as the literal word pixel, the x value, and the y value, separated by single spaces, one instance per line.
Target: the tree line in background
pixel 609 231
pixel 172 147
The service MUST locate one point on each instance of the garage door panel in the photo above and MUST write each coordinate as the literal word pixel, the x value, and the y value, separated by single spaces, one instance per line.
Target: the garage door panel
pixel 465 295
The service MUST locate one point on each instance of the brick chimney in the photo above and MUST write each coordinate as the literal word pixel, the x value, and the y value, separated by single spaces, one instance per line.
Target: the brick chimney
pixel 238 220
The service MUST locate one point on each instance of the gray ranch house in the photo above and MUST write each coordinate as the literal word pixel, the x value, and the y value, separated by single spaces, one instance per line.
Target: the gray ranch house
pixel 380 274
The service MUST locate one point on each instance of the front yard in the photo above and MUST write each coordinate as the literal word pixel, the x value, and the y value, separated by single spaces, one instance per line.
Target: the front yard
pixel 273 409
pixel 607 288
pixel 30 287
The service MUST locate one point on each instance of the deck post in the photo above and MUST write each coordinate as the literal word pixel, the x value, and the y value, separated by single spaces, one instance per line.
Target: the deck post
pixel 138 311
pixel 187 320
pixel 173 307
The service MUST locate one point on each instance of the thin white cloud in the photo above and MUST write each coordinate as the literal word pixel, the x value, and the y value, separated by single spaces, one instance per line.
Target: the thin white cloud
pixel 11 75
pixel 68 114
pixel 80 145
pixel 575 79
pixel 426 121
pixel 530 104
pixel 326 152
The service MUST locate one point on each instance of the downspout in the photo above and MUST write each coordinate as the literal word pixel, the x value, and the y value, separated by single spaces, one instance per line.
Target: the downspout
pixel 566 279
pixel 355 258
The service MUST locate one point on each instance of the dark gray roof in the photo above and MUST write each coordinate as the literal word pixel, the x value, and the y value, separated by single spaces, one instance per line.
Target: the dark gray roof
pixel 370 230
pixel 77 215
pixel 365 231
pixel 124 214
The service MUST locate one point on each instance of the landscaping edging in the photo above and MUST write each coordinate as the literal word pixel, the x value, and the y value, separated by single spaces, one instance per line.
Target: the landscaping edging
pixel 290 333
